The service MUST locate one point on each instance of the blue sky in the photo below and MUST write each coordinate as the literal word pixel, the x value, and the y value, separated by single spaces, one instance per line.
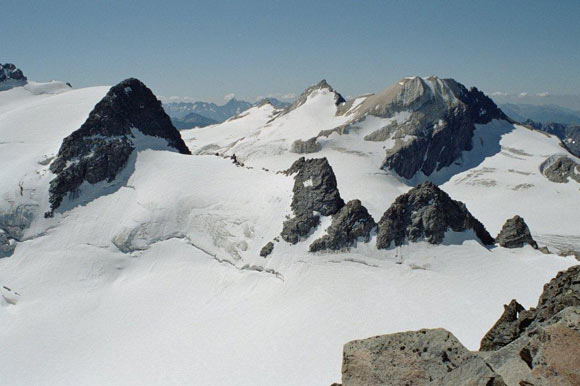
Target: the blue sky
pixel 207 49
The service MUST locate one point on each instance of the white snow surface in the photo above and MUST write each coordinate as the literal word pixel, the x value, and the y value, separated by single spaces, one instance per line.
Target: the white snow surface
pixel 161 283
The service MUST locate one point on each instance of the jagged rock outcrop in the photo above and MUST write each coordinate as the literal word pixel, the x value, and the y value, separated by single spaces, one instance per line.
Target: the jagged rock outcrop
pixel 102 146
pixel 304 147
pixel 315 193
pixel 351 223
pixel 10 76
pixel 505 330
pixel 441 122
pixel 426 212
pixel 267 249
pixel 561 292
pixel 560 169
pixel 540 346
pixel 515 233
pixel 411 358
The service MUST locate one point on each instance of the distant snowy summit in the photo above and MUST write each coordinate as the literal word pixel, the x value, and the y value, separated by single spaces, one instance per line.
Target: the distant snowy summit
pixel 128 118
pixel 10 77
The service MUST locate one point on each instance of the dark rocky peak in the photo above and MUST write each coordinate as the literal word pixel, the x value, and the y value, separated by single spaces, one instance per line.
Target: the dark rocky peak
pixel 11 76
pixel 315 193
pixel 102 146
pixel 338 99
pixel 315 187
pixel 352 223
pixel 426 212
pixel 561 292
pixel 515 233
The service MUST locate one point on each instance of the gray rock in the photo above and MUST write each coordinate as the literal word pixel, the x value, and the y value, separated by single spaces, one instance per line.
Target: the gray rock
pixel 560 169
pixel 267 249
pixel 13 223
pixel 315 193
pixel 505 330
pixel 351 223
pixel 102 146
pixel 406 358
pixel 474 372
pixel 305 147
pixel 561 292
pixel 546 353
pixel 426 212
pixel 515 233
pixel 299 227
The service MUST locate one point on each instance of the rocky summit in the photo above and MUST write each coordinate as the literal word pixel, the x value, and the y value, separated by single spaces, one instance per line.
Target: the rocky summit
pixel 441 123
pixel 101 147
pixel 315 193
pixel 426 212
pixel 515 233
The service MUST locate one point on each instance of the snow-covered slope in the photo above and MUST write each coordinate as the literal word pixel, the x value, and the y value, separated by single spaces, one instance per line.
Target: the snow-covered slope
pixel 161 282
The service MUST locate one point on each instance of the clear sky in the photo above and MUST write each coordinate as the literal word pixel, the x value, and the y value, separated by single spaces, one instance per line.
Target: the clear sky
pixel 207 49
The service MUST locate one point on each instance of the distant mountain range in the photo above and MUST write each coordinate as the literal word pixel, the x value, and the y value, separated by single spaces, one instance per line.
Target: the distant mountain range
pixel 541 113
pixel 186 115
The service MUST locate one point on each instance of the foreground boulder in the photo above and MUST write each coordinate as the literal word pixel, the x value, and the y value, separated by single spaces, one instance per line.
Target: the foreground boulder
pixel 412 358
pixel 426 212
pixel 351 223
pixel 561 292
pixel 101 148
pixel 515 233
pixel 315 193
pixel 540 346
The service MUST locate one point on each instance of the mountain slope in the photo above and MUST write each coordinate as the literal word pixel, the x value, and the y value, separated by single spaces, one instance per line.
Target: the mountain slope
pixel 161 281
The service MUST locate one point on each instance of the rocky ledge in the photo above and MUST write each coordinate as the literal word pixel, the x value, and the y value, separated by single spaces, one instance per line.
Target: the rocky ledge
pixel 426 212
pixel 101 147
pixel 540 346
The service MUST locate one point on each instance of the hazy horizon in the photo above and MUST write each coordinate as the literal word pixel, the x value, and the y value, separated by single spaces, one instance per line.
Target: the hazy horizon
pixel 210 50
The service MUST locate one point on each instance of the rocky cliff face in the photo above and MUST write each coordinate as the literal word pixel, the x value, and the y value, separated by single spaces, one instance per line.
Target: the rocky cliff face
pixel 540 346
pixel 443 114
pixel 426 212
pixel 101 147
pixel 315 193
pixel 10 76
